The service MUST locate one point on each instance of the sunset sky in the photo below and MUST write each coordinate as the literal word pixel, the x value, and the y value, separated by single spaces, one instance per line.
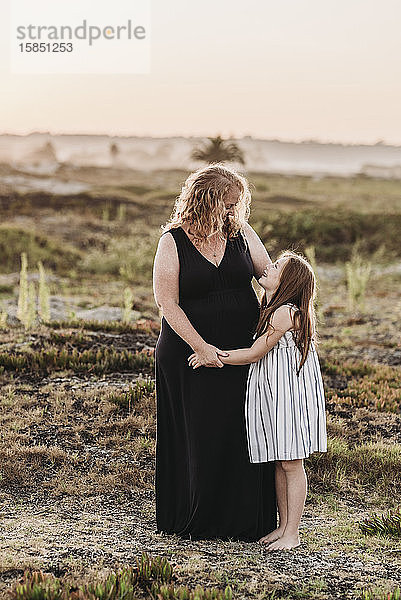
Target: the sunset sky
pixel 288 69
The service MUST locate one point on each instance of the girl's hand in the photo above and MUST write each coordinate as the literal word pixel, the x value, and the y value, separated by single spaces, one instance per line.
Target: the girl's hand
pixel 207 356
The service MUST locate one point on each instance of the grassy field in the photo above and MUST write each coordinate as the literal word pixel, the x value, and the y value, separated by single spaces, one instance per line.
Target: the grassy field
pixel 78 402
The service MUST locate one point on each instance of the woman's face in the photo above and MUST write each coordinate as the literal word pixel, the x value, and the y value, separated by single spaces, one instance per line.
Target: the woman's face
pixel 270 278
pixel 231 199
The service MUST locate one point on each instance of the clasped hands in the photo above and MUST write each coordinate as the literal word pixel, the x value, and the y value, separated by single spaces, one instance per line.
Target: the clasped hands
pixel 207 356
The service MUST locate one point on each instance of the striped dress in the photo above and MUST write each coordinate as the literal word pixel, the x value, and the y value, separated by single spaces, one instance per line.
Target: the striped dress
pixel 285 414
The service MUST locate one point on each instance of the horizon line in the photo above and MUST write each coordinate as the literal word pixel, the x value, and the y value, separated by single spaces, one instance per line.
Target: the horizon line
pixel 378 142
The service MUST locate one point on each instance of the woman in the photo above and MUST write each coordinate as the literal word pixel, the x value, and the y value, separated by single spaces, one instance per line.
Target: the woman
pixel 206 486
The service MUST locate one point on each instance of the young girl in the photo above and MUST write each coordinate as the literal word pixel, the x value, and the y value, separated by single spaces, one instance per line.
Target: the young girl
pixel 285 406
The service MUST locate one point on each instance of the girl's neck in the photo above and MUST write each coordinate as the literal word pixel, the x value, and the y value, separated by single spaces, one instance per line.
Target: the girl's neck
pixel 269 295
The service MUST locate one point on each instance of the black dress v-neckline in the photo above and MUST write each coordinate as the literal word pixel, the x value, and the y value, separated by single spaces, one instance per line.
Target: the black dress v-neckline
pixel 199 252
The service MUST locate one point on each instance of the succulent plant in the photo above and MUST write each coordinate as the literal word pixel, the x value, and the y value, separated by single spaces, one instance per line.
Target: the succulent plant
pixel 38 586
pixel 128 399
pixel 99 361
pixel 368 594
pixel 150 579
pixel 388 524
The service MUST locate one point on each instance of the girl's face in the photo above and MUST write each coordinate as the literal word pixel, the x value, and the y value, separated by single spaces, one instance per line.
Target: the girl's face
pixel 270 278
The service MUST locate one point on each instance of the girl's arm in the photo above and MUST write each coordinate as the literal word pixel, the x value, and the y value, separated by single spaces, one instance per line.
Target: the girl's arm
pixel 281 322
pixel 261 346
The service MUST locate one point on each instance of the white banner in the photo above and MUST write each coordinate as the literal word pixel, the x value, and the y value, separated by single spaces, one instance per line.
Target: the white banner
pixel 48 36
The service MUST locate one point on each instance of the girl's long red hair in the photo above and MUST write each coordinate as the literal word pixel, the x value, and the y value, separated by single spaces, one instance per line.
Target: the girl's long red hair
pixel 297 286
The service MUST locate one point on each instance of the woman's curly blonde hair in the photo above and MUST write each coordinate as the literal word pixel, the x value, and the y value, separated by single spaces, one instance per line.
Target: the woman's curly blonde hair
pixel 201 202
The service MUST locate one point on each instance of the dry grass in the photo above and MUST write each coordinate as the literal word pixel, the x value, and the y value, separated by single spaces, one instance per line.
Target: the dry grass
pixel 64 442
pixel 365 470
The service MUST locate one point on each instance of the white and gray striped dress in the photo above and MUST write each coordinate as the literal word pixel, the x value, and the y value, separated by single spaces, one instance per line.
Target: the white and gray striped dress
pixel 285 414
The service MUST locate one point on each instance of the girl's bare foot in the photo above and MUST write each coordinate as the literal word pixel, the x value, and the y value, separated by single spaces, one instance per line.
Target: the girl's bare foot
pixel 272 536
pixel 286 542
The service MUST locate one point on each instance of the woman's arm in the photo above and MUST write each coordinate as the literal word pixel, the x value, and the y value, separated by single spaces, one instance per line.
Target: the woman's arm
pixel 260 256
pixel 281 322
pixel 166 292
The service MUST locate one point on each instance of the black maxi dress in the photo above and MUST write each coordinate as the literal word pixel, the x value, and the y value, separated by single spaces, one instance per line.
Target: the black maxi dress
pixel 206 486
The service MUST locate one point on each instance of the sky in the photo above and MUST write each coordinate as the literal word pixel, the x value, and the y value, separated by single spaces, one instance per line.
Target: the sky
pixel 283 69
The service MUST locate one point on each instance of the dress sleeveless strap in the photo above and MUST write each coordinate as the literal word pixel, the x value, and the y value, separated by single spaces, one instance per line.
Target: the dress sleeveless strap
pixel 244 240
pixel 290 305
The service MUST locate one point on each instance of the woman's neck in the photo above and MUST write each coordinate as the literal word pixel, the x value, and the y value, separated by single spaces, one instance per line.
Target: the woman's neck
pixel 210 236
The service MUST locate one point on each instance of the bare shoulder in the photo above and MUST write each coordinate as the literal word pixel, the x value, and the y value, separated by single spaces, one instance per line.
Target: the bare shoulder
pixel 254 241
pixel 260 256
pixel 167 250
pixel 167 242
pixel 282 318
pixel 250 233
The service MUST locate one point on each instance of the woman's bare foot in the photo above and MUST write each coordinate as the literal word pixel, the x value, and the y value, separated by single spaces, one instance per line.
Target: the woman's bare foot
pixel 286 542
pixel 272 536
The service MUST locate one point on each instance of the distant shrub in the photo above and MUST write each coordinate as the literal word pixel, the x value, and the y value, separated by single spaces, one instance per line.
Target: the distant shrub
pixel 310 253
pixel 121 212
pixel 130 257
pixel 53 254
pixel 6 288
pixel 136 190
pixel 358 272
pixel 87 203
pixel 332 232
pixel 106 213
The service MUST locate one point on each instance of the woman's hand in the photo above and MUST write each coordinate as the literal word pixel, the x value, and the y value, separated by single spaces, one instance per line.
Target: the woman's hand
pixel 206 356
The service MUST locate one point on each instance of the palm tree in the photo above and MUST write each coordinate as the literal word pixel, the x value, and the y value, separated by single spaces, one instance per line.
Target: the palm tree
pixel 218 150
